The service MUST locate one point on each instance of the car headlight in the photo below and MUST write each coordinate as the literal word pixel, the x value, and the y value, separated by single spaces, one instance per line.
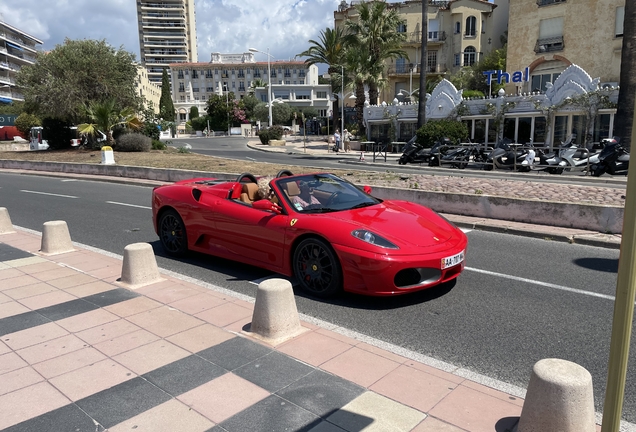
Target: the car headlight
pixel 374 239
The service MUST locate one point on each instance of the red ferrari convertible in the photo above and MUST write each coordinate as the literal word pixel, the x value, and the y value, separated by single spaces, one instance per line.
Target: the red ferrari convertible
pixel 324 231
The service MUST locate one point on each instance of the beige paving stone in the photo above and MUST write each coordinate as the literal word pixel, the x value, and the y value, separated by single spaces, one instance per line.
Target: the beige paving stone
pixel 110 273
pixel 197 303
pixel 12 308
pixel 4 348
pixel 72 281
pixel 314 348
pixel 87 320
pixel 3 266
pixel 431 424
pixel 25 261
pixel 382 353
pixel 433 371
pixel 126 342
pixel 172 416
pixel 359 366
pixel 30 290
pixel 9 273
pixel 91 379
pixel 225 314
pixel 414 388
pixel 29 402
pixel 107 331
pixel 18 379
pixel 10 362
pixel 199 338
pixel 165 321
pixel 90 288
pixel 56 273
pixel 5 298
pixel 133 306
pixel 475 411
pixel 69 362
pixel 223 397
pixel 47 299
pixel 34 335
pixel 17 282
pixel 492 392
pixel 151 356
pixel 332 334
pixel 40 267
pixel 372 412
pixel 172 293
pixel 51 349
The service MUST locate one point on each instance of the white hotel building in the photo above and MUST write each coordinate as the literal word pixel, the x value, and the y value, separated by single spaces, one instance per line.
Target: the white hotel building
pixel 293 82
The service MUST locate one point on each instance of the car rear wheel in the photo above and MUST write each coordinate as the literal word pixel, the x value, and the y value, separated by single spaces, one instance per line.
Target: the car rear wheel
pixel 317 268
pixel 172 233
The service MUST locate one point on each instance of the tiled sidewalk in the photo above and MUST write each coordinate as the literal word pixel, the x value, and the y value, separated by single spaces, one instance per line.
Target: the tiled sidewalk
pixel 79 352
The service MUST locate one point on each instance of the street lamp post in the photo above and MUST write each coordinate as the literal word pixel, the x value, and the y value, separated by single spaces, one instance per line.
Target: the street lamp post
pixel 227 107
pixel 269 81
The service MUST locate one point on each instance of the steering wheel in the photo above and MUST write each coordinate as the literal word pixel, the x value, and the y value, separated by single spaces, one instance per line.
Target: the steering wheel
pixel 332 198
pixel 247 176
pixel 284 173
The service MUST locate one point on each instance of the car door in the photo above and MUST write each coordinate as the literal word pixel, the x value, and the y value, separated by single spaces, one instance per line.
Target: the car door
pixel 251 235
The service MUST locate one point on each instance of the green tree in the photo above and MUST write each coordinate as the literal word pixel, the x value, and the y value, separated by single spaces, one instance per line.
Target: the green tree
pixel 194 112
pixel 328 49
pixel 166 107
pixel 375 31
pixel 248 103
pixel 72 75
pixel 624 118
pixel 24 122
pixel 281 113
pixel 199 123
pixel 219 111
pixel 105 116
pixel 14 108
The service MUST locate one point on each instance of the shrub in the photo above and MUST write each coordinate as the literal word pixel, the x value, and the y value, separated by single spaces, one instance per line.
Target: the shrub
pixel 435 130
pixel 472 93
pixel 199 123
pixel 184 150
pixel 58 133
pixel 158 145
pixel 150 130
pixel 133 142
pixel 24 122
pixel 263 135
pixel 276 132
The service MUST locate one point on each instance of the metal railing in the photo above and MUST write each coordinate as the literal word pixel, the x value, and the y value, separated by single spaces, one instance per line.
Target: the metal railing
pixel 549 2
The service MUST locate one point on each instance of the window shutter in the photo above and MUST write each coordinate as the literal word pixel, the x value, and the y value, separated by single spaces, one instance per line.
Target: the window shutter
pixel 620 20
pixel 551 27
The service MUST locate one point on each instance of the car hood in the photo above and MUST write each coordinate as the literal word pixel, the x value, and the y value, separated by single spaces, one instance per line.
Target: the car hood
pixel 401 222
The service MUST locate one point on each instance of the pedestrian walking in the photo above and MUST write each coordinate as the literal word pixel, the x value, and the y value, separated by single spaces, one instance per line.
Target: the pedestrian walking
pixel 346 139
pixel 336 138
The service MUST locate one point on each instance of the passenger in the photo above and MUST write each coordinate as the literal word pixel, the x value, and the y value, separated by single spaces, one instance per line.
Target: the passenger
pixel 305 198
pixel 265 191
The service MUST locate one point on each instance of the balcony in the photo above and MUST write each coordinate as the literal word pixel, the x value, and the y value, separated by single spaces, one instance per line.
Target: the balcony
pixel 549 44
pixel 404 69
pixel 433 37
pixel 548 2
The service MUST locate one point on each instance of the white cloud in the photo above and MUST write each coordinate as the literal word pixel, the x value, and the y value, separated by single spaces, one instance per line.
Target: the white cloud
pixel 225 26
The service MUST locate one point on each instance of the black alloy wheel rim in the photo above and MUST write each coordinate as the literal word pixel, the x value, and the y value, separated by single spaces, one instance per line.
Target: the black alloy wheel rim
pixel 172 233
pixel 315 268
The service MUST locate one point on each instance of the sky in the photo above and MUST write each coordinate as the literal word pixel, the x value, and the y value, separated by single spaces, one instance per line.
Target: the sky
pixel 225 26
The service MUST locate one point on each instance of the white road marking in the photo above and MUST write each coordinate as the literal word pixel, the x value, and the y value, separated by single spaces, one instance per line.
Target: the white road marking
pixel 466 230
pixel 128 205
pixel 46 193
pixel 545 284
pixel 249 158
pixel 69 180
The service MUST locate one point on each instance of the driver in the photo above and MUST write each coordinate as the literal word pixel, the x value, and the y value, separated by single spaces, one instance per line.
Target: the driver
pixel 305 198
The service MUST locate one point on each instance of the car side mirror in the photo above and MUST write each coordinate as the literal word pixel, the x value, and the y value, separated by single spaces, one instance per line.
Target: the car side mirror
pixel 367 190
pixel 267 205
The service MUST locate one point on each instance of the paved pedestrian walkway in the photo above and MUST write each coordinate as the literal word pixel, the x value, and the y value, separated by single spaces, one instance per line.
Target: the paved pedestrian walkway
pixel 81 352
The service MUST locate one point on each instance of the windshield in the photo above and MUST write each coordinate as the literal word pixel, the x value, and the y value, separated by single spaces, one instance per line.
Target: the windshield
pixel 322 193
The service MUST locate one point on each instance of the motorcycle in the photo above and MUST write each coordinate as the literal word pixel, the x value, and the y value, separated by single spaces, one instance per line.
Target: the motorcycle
pixel 414 152
pixel 504 157
pixel 613 159
pixel 462 156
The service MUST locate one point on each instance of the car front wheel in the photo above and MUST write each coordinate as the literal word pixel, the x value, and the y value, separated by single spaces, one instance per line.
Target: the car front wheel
pixel 172 233
pixel 317 268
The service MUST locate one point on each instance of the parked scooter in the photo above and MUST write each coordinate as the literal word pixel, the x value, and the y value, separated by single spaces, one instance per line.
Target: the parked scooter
pixel 416 153
pixel 462 156
pixel 504 157
pixel 613 159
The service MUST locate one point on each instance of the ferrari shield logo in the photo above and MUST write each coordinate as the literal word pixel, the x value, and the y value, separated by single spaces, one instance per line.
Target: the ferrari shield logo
pixel 293 222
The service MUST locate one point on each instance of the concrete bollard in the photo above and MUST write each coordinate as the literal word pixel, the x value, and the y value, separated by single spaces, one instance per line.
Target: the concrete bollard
pixel 275 318
pixel 140 266
pixel 56 238
pixel 559 398
pixel 5 222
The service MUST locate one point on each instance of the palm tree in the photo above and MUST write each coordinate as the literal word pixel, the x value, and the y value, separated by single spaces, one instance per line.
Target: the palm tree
pixel 624 118
pixel 357 66
pixel 376 31
pixel 104 116
pixel 256 84
pixel 329 49
pixel 421 107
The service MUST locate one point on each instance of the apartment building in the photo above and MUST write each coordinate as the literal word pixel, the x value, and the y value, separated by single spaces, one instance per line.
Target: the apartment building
pixel 460 33
pixel 148 90
pixel 549 35
pixel 167 34
pixel 17 48
pixel 293 82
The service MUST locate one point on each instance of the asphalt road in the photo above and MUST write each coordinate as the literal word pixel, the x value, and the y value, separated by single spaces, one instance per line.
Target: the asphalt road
pixel 518 301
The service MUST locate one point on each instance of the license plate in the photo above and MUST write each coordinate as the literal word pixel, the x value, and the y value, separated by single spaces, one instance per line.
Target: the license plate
pixel 452 260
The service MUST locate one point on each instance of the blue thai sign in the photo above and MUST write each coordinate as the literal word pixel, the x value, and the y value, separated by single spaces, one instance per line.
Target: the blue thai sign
pixel 7 119
pixel 505 77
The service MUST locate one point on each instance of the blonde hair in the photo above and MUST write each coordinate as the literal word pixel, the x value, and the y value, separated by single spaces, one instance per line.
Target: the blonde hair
pixel 263 187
